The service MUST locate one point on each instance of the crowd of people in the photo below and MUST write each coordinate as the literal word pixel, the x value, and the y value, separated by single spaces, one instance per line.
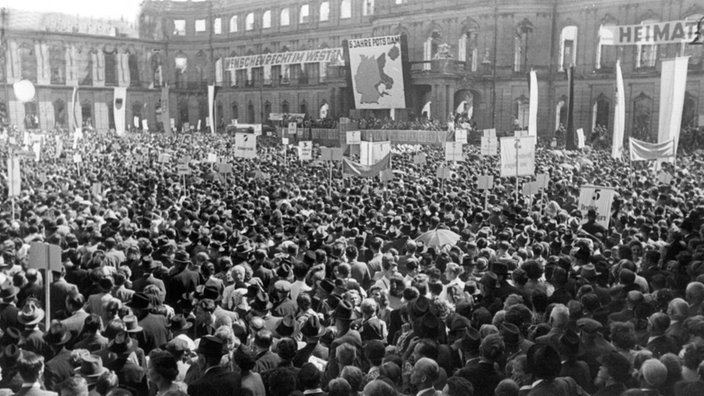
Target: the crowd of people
pixel 217 281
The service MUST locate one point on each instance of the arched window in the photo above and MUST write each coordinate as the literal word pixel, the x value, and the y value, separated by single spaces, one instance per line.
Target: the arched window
pixel 57 62
pixel 521 111
pixel 568 47
pixel 600 112
pixel 267 109
pixel 201 63
pixel 250 112
pixel 233 24
pixel 249 22
pixel 689 111
pixel 182 112
pixel 284 107
pixel 28 62
pixel 110 67
pixel 304 14
pixel 180 67
pixel 324 11
pixel 219 114
pixel 266 19
pixel 467 50
pixel 368 7
pixel 646 54
pixel 345 9
pixel 235 111
pixel 285 17
pixel 132 62
pixel 157 76
pixel 561 112
pixel 430 47
pixel 87 114
pixel 642 117
pixel 520 45
pixel 304 108
pixel 60 113
pixel 605 51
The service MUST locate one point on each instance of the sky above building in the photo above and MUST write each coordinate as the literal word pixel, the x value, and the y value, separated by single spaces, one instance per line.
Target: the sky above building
pixel 100 9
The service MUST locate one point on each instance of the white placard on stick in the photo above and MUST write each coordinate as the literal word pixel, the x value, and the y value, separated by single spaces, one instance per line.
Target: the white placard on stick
pixel 292 128
pixel 485 182
pixel 245 145
pixel 598 198
pixel 520 149
pixel 461 136
pixel 354 137
pixel 305 150
pixel 489 146
pixel 453 151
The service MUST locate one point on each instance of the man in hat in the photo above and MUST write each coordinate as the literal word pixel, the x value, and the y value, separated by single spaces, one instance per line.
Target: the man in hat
pixel 59 368
pixel 30 317
pixel 8 310
pixel 311 331
pixel 30 367
pixel 149 267
pixel 93 339
pixel 74 304
pixel 91 369
pixel 593 343
pixel 284 305
pixel 127 360
pixel 181 280
pixel 342 319
pixel 60 289
pixel 216 380
pixel 154 331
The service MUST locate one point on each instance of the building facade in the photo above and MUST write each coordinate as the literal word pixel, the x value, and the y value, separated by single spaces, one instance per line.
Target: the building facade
pixel 470 55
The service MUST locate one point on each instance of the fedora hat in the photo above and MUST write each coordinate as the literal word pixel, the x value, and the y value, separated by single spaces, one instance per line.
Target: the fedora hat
pixel 588 271
pixel 261 302
pixel 58 334
pixel 210 292
pixel 122 344
pixel 286 326
pixel 91 367
pixel 132 324
pixel 179 323
pixel 312 328
pixel 30 314
pixel 140 301
pixel 182 257
pixel 9 355
pixel 8 293
pixel 211 346
pixel 343 311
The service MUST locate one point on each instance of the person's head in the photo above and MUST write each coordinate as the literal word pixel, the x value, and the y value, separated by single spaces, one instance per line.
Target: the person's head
pixel 544 361
pixel 162 368
pixel 623 335
pixel 458 386
pixel 74 386
pixel 507 387
pixel 653 373
pixel 492 347
pixel 379 388
pixel 74 302
pixel 282 382
pixel 339 387
pixel 614 368
pixel 345 354
pixel 559 316
pixel 106 382
pixel 263 339
pixel 424 374
pixel 658 323
pixel 354 376
pixel 309 376
pixel 30 366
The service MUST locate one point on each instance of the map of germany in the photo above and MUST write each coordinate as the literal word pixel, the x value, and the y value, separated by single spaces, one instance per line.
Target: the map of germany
pixel 371 81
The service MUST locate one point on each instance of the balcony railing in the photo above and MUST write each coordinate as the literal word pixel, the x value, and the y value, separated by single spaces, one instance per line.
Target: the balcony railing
pixel 443 66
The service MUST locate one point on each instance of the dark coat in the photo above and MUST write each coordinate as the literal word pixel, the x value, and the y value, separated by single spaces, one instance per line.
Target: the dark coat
pixel 483 375
pixel 154 333
pixel 58 369
pixel 662 345
pixel 216 382
pixel 266 361
pixel 179 284
pixel 8 316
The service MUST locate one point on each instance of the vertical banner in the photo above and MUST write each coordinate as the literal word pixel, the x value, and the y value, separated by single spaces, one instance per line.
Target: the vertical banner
pixel 599 199
pixel 14 181
pixel 165 119
pixel 211 106
pixel 517 156
pixel 673 81
pixel 570 143
pixel 119 104
pixel 218 72
pixel 73 120
pixel 533 105
pixel 580 138
pixel 619 115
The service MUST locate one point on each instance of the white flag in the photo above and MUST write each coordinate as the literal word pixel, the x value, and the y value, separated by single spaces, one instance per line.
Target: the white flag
pixel 619 115
pixel 673 82
pixel 533 105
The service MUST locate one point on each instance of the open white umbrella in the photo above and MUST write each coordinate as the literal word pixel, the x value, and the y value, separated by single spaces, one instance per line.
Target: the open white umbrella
pixel 438 237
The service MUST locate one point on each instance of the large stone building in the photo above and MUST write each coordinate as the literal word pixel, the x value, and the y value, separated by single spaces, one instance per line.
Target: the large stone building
pixel 492 45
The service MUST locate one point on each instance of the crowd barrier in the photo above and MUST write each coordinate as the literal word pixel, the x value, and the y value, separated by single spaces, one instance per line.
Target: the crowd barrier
pixel 337 138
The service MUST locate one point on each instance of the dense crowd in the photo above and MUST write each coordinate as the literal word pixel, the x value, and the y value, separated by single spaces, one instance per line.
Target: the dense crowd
pixel 269 277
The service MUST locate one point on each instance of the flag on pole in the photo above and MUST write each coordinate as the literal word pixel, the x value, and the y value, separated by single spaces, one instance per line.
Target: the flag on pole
pixel 619 115
pixel 351 168
pixel 644 151
pixel 533 105
pixel 211 106
pixel 673 81
pixel 74 100
pixel 570 143
pixel 165 119
pixel 119 104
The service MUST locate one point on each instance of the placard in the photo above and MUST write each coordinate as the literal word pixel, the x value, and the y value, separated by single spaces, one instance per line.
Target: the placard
pixel 183 169
pixel 598 198
pixel 519 134
pixel 485 182
pixel 330 154
pixel 489 132
pixel 489 146
pixel 245 145
pixel 420 158
pixel 305 150
pixel 517 149
pixel 543 179
pixel 530 188
pixel 212 158
pixel 163 158
pixel 292 128
pixel 386 175
pixel 354 137
pixel 453 151
pixel 372 152
pixel 77 158
pixel 461 136
pixel 135 122
pixel 580 138
pixel 172 123
pixel 224 168
pixel 664 177
pixel 284 141
pixel 443 173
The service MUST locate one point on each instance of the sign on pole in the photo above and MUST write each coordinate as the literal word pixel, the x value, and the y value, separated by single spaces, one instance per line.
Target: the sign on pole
pixel 517 156
pixel 491 132
pixel 461 136
pixel 291 128
pixel 453 151
pixel 598 198
pixel 420 158
pixel 14 179
pixel 543 179
pixel 489 146
pixel 305 150
pixel 354 137
pixel 485 182
pixel 245 145
pixel 444 173
pixel 580 138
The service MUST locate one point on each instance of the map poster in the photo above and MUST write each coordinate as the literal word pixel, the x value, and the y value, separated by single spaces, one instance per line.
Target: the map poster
pixel 376 68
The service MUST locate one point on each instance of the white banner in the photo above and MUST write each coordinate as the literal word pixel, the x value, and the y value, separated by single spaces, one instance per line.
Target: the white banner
pixel 305 150
pixel 245 145
pixel 14 180
pixel 671 32
pixel 119 103
pixel 326 55
pixel 673 82
pixel 145 125
pixel 211 107
pixel 517 156
pixel 581 141
pixel 533 105
pixel 461 136
pixel 619 115
pixel 372 152
pixel 453 151
pixel 599 199
pixel 377 72
pixel 354 137
pixel 292 128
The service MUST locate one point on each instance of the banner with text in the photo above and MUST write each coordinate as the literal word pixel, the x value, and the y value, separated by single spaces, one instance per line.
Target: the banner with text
pixel 245 145
pixel 328 55
pixel 599 199
pixel 372 152
pixel 671 32
pixel 377 72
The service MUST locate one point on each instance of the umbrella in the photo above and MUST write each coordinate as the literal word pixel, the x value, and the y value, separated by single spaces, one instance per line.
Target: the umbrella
pixel 566 166
pixel 586 162
pixel 438 238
